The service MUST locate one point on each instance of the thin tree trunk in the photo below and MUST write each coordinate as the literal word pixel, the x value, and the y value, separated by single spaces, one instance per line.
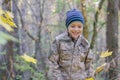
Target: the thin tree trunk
pixel 83 7
pixel 95 24
pixel 9 47
pixel 119 4
pixel 38 54
pixel 112 34
pixel 10 66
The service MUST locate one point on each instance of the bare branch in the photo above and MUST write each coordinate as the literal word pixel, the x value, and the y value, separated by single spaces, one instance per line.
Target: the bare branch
pixel 22 22
pixel 95 24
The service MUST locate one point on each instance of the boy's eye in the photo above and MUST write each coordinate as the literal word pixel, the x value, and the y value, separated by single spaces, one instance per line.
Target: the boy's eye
pixel 73 26
pixel 76 26
pixel 79 27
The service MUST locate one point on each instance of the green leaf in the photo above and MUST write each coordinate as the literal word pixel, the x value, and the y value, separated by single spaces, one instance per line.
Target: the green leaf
pixel 59 5
pixel 8 37
pixel 3 67
pixel 2 40
pixel 95 0
pixel 2 53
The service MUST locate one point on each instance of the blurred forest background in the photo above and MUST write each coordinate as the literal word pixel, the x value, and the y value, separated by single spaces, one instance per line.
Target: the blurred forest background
pixel 37 24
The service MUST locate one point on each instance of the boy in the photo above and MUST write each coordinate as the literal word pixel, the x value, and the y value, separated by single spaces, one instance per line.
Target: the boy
pixel 71 57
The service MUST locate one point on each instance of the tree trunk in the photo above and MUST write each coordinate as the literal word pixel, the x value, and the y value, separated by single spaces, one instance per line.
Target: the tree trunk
pixel 9 47
pixel 112 34
pixel 119 4
pixel 9 56
pixel 38 53
pixel 83 7
pixel 95 24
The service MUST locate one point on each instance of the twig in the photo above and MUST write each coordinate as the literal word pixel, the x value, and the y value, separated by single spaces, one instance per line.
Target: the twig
pixel 95 25
pixel 22 22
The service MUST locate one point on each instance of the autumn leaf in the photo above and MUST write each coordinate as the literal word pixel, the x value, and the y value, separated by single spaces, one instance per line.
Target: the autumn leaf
pixel 6 26
pixel 1 11
pixel 99 69
pixel 6 20
pixel 9 19
pixel 29 59
pixel 89 78
pixel 105 54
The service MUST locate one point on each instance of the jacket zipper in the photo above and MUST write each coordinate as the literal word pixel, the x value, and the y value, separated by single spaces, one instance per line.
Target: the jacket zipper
pixel 72 61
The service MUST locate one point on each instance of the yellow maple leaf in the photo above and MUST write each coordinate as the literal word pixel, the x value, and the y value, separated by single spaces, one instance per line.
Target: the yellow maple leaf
pixel 9 19
pixel 6 20
pixel 29 59
pixel 89 78
pixel 6 26
pixel 1 11
pixel 105 54
pixel 99 69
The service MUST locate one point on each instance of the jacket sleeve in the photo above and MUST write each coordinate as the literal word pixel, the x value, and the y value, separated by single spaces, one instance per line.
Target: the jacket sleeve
pixel 89 64
pixel 54 71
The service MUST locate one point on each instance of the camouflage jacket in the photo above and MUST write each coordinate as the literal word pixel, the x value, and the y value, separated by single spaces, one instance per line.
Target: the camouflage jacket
pixel 69 60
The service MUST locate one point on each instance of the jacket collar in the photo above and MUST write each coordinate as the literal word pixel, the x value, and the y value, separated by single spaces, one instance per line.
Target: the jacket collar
pixel 80 41
pixel 67 38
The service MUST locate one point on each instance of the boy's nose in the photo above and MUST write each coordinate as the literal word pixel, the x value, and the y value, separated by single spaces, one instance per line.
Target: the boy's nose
pixel 76 28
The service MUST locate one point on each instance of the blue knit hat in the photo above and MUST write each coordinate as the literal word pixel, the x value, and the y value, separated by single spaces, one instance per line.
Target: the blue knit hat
pixel 73 15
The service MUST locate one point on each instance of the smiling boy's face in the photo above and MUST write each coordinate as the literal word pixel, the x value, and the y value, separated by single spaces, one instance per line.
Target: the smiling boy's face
pixel 75 29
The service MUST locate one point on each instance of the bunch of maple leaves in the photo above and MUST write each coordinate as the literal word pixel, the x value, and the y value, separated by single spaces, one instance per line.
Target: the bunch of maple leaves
pixel 6 21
